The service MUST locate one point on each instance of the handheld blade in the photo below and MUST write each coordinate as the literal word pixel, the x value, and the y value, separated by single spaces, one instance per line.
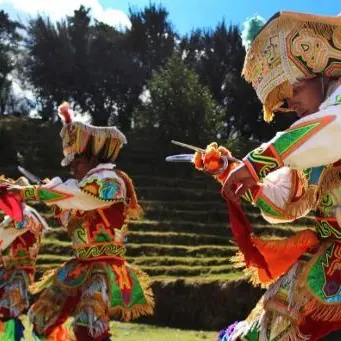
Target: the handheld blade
pixel 180 158
pixel 200 150
pixel 189 146
pixel 33 178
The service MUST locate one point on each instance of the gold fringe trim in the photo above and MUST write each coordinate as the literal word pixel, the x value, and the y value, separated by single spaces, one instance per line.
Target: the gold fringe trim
pixel 310 200
pixel 45 311
pixel 238 262
pixel 321 311
pixel 135 213
pixel 127 314
pixel 287 21
pixel 40 285
pixel 274 321
pixel 134 210
pixel 306 238
pixel 275 100
pixel 96 303
pixel 306 203
pixel 330 179
pixel 312 305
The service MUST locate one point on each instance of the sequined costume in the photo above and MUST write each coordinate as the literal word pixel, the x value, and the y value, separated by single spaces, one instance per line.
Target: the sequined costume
pixel 297 172
pixel 19 244
pixel 97 283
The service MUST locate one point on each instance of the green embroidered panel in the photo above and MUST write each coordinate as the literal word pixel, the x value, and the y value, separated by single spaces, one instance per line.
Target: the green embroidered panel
pixel 265 207
pixel 45 194
pixel 291 137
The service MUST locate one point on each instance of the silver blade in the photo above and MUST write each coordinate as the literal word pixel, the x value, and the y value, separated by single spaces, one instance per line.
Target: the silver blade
pixel 180 158
pixel 33 178
pixel 200 150
pixel 189 146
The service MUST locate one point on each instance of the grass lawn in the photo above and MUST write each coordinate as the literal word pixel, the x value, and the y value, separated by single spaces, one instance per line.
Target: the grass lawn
pixel 143 332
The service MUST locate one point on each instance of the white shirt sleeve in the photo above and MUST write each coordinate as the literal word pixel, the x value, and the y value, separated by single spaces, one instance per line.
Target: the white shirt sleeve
pixel 322 148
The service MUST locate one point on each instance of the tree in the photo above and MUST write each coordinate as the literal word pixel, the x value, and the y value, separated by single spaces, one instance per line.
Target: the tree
pixel 149 44
pixel 179 106
pixel 49 65
pixel 114 77
pixel 151 38
pixel 218 57
pixel 100 69
pixel 9 40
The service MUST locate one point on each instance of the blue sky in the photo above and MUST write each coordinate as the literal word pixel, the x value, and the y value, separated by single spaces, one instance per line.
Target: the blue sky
pixel 184 14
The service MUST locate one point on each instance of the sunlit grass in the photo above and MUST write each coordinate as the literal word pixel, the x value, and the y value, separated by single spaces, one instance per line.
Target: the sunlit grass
pixel 141 332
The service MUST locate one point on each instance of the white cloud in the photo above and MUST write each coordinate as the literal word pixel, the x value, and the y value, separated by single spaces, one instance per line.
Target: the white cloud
pixel 59 9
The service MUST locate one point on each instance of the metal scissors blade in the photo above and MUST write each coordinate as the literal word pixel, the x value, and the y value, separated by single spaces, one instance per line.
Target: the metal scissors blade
pixel 33 178
pixel 200 150
pixel 189 146
pixel 180 158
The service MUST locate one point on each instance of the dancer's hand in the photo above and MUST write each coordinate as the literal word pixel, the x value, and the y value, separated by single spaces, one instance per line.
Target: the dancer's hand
pixel 238 181
pixel 210 160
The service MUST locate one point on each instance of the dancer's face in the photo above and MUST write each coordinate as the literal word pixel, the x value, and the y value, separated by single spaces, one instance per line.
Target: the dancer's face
pixel 80 166
pixel 307 97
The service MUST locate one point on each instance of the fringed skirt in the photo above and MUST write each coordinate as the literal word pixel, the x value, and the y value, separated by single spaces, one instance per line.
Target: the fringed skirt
pixel 303 304
pixel 91 292
pixel 14 286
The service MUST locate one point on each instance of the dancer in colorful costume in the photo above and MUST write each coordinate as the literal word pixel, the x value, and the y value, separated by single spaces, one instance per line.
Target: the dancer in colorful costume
pixel 19 244
pixel 97 282
pixel 294 64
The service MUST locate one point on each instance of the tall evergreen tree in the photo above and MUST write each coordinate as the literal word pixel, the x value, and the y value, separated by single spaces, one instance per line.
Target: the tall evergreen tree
pixel 179 106
pixel 9 40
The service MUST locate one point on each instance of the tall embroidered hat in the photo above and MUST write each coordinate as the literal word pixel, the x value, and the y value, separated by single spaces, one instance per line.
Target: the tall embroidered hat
pixel 77 137
pixel 290 47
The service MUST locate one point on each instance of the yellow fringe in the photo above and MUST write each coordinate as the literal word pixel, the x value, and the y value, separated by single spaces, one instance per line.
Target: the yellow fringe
pixel 135 212
pixel 318 309
pixel 127 314
pixel 22 181
pixel 293 332
pixel 40 285
pixel 322 311
pixel 97 304
pixel 287 21
pixel 301 238
pixel 275 100
pixel 238 262
pixel 306 203
pixel 330 179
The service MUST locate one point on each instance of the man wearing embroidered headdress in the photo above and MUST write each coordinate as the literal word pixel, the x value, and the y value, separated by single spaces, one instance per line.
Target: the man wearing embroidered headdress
pixel 19 244
pixel 294 64
pixel 96 283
